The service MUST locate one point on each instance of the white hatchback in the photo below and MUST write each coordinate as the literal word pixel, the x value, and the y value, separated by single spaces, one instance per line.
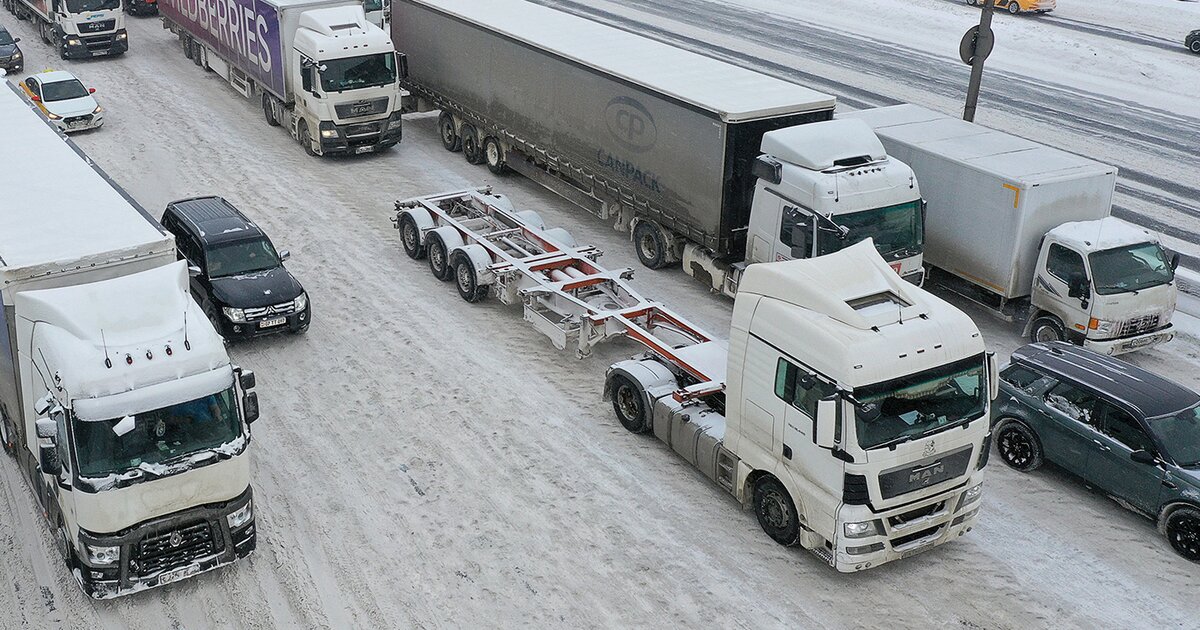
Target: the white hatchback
pixel 64 100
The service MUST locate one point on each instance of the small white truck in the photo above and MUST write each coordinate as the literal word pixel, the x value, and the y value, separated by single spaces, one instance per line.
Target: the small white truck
pixel 1025 228
pixel 849 408
pixel 118 402
pixel 318 67
pixel 77 29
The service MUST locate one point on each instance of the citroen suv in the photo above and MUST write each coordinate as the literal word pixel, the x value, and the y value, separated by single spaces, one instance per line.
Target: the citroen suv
pixel 237 276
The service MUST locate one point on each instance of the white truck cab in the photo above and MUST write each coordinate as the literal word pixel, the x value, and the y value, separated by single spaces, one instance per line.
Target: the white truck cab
pixel 78 29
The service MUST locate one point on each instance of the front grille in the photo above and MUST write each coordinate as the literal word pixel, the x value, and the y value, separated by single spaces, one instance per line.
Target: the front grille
pixel 172 549
pixel 1138 325
pixel 854 490
pixel 907 538
pixel 75 119
pixel 270 311
pixel 361 108
pixel 921 512
pixel 97 26
pixel 924 474
pixel 365 129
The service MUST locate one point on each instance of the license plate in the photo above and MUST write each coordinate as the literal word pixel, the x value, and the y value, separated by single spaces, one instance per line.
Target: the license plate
pixel 267 323
pixel 1145 341
pixel 364 149
pixel 178 574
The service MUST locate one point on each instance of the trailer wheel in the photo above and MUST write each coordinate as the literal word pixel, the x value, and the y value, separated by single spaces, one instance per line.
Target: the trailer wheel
pixel 467 281
pixel 470 145
pixel 439 262
pixel 186 43
pixel 269 111
pixel 651 244
pixel 450 138
pixel 629 404
pixel 776 511
pixel 1047 329
pixel 493 155
pixel 410 236
pixel 197 55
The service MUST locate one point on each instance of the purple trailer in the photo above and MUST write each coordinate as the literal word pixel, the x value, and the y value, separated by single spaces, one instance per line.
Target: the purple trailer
pixel 245 33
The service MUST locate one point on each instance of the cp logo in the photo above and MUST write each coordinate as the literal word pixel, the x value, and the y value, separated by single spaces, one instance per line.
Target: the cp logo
pixel 630 124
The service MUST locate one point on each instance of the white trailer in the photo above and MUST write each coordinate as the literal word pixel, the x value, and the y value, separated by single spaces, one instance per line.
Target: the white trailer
pixel 117 399
pixel 849 408
pixel 1026 228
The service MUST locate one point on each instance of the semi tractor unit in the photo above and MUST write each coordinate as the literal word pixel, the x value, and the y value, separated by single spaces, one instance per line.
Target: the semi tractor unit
pixel 1026 228
pixel 318 67
pixel 77 29
pixel 118 402
pixel 848 408
pixel 700 160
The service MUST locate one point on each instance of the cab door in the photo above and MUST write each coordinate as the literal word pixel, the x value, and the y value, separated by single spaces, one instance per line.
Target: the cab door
pixel 1112 468
pixel 1061 286
pixel 795 234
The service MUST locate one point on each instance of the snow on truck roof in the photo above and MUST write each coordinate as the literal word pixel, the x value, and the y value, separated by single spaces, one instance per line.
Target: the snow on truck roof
pixel 1102 234
pixel 1022 161
pixel 736 94
pixel 57 208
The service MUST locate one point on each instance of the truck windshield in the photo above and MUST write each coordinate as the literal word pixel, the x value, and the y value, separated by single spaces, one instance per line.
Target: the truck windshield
pixel 1131 268
pixel 906 408
pixel 240 258
pixel 1180 434
pixel 113 446
pixel 354 73
pixel 897 230
pixel 83 6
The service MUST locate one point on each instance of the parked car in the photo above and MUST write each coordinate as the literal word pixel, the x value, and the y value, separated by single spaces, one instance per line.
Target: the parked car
pixel 1193 41
pixel 1128 432
pixel 1020 6
pixel 237 276
pixel 64 100
pixel 12 60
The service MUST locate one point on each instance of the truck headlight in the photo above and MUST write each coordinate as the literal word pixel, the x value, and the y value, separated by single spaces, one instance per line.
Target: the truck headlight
pixel 861 529
pixel 72 41
pixel 394 124
pixel 102 555
pixel 122 35
pixel 329 133
pixel 301 302
pixel 1102 326
pixel 973 493
pixel 241 516
pixel 236 315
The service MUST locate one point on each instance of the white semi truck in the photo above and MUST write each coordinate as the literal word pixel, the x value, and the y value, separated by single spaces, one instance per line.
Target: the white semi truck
pixel 1027 229
pixel 699 160
pixel 318 67
pixel 848 408
pixel 118 402
pixel 77 29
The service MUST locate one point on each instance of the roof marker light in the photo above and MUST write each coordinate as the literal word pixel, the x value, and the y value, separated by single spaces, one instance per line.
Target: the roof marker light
pixel 170 351
pixel 149 355
pixel 129 359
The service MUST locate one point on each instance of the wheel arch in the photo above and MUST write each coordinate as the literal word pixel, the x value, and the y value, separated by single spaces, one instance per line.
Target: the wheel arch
pixel 1170 507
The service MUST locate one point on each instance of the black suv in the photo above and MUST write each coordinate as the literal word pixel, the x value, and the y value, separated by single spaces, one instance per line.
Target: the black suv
pixel 1130 433
pixel 237 277
pixel 11 58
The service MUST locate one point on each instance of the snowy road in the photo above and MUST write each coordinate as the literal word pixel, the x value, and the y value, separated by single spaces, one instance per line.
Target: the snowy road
pixel 422 462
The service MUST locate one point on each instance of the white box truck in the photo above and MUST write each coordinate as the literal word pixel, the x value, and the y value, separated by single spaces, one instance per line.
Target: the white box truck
pixel 699 160
pixel 318 67
pixel 118 402
pixel 848 408
pixel 1026 228
pixel 77 29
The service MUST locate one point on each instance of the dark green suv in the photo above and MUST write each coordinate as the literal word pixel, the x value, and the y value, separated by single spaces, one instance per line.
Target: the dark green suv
pixel 1126 431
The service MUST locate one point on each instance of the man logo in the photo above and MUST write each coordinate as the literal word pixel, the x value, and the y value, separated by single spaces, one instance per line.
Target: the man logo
pixel 631 124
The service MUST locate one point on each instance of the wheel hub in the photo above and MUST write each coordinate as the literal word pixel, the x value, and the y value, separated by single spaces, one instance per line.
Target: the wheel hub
pixel 1015 448
pixel 626 402
pixel 776 511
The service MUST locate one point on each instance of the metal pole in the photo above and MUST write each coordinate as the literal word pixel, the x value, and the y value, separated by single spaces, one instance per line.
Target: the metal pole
pixel 985 33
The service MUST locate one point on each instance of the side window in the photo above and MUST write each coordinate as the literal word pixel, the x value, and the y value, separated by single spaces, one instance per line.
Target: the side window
pixel 33 86
pixel 1076 403
pixel 64 452
pixel 1020 376
pixel 1063 263
pixel 1122 427
pixel 795 231
pixel 800 389
pixel 306 78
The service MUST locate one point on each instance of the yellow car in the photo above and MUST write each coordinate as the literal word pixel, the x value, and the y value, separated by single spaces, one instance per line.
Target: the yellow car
pixel 1020 6
pixel 64 100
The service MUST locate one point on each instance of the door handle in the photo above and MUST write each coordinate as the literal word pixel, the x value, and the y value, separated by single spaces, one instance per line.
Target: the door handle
pixel 1169 484
pixel 1102 445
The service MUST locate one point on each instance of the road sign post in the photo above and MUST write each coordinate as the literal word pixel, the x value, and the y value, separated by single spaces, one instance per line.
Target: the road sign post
pixel 976 45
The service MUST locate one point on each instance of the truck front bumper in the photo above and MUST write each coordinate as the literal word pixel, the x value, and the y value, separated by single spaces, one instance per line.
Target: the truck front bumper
pixel 87 46
pixel 168 549
pixel 1113 347
pixel 906 530
pixel 358 138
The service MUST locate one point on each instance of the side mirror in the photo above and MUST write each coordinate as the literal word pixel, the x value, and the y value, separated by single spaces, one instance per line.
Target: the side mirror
pixel 48 460
pixel 767 169
pixel 42 405
pixel 194 271
pixel 827 417
pixel 47 429
pixel 284 255
pixel 91 90
pixel 993 376
pixel 246 380
pixel 1078 286
pixel 401 58
pixel 250 407
pixel 1175 261
pixel 35 98
pixel 1143 457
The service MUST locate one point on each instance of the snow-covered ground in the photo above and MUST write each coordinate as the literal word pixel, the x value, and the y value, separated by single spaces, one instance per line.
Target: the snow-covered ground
pixel 422 462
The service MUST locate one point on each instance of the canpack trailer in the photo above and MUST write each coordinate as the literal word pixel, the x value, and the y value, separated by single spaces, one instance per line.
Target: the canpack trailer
pixel 700 160
pixel 77 29
pixel 847 407
pixel 1026 229
pixel 117 400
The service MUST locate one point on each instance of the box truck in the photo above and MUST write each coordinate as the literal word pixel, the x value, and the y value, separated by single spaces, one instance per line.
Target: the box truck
pixel 847 407
pixel 698 159
pixel 1026 228
pixel 118 402
pixel 77 29
pixel 318 67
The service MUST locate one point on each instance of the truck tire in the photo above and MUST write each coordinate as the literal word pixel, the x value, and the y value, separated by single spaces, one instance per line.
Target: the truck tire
pixel 8 435
pixel 1018 445
pixel 1183 532
pixel 470 145
pixel 197 54
pixel 305 138
pixel 185 42
pixel 467 281
pixel 410 237
pixel 493 155
pixel 651 244
pixel 629 404
pixel 776 511
pixel 269 111
pixel 451 141
pixel 439 262
pixel 1047 328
